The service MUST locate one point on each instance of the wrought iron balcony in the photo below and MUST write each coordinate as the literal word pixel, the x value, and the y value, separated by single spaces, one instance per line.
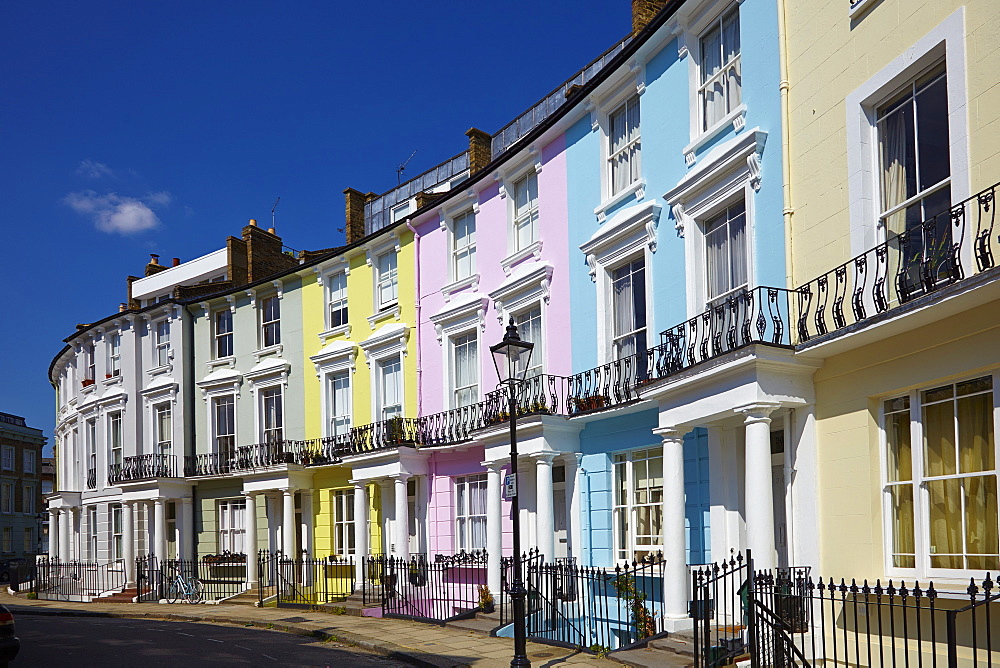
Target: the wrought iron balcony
pixel 949 248
pixel 91 478
pixel 244 458
pixel 143 467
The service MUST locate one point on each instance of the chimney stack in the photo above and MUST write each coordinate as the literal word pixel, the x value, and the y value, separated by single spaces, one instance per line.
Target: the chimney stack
pixel 154 266
pixel 643 11
pixel 480 149
pixel 264 253
pixel 354 205
pixel 176 262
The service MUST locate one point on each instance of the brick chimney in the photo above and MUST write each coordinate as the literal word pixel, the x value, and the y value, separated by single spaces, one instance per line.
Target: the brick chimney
pixel 354 205
pixel 480 149
pixel 264 254
pixel 154 266
pixel 643 12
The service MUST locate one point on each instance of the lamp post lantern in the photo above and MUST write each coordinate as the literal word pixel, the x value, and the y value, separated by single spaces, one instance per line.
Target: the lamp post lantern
pixel 511 357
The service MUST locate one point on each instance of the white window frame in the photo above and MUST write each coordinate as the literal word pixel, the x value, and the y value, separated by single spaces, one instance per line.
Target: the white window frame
pixel 388 342
pixel 628 93
pixel 334 359
pixel 90 353
pixel 8 539
pixel 463 515
pixel 270 323
pixel 704 232
pixel 530 214
pixel 9 453
pixel 217 446
pixel 471 337
pixel 117 532
pixel 716 23
pixel 921 495
pixel 231 521
pixel 90 427
pixel 116 451
pixel 218 336
pixel 342 513
pixel 618 337
pixel 387 277
pixel 30 460
pixel 262 414
pixel 629 234
pixel 630 549
pixel 114 344
pixel 161 342
pixel 537 360
pixel 92 522
pixel 332 300
pixel 339 419
pixel 29 540
pixel 945 42
pixel 28 499
pixel 380 394
pixel 467 249
pixel 161 445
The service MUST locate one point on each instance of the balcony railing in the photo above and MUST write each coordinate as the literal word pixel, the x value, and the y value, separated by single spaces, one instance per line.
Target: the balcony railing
pixel 143 467
pixel 946 249
pixel 91 478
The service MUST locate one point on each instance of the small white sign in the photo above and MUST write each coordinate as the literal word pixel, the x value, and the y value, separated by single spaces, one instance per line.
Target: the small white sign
pixel 510 486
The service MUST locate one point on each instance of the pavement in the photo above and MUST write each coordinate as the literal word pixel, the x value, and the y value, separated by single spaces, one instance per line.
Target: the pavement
pixel 412 642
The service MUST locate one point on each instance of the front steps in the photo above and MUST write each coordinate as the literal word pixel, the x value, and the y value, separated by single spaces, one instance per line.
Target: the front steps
pixel 481 623
pixel 669 651
pixel 249 598
pixel 124 596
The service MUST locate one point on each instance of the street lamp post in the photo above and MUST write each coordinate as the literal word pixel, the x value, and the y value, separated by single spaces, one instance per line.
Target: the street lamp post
pixel 511 357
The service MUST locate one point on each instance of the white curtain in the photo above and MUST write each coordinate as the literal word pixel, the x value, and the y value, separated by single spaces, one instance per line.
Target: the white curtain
pixel 895 142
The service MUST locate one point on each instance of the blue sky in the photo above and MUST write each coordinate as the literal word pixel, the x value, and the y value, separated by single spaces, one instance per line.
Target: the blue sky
pixel 129 128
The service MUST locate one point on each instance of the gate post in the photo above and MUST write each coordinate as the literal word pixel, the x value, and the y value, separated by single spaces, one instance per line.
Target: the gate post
pixel 952 638
pixel 751 614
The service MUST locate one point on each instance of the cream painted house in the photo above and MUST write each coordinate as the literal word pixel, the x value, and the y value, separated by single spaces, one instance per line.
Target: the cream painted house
pixel 893 125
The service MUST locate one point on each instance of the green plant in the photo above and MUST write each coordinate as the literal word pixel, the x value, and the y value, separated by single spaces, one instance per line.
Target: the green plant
pixel 31 596
pixel 645 624
pixel 269 626
pixel 338 610
pixel 485 597
pixel 600 650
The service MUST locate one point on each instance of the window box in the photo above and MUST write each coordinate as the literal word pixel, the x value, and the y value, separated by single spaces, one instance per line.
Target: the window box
pixel 87 382
pixel 224 558
pixel 584 404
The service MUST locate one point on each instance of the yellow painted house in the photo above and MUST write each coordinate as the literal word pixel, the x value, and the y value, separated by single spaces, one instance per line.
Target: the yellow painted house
pixel 358 317
pixel 893 121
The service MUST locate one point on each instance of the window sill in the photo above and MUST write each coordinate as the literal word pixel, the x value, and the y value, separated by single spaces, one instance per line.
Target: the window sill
pixel 87 389
pixel 859 7
pixel 736 118
pixel 532 249
pixel 222 362
pixel 114 380
pixel 469 281
pixel 390 312
pixel 160 370
pixel 344 330
pixel 276 349
pixel 637 190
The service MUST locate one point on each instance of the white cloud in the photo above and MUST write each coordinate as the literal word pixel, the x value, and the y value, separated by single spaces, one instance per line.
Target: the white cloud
pixel 115 213
pixel 94 170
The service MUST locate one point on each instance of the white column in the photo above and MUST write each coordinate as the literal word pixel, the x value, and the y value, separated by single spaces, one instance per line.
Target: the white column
pixel 494 527
pixel 128 544
pixel 402 522
pixel 160 527
pixel 384 490
pixel 272 509
pixel 150 526
pixel 288 524
pixel 307 521
pixel 574 510
pixel 55 539
pixel 360 530
pixel 250 538
pixel 759 498
pixel 73 545
pixel 544 528
pixel 186 532
pixel 674 547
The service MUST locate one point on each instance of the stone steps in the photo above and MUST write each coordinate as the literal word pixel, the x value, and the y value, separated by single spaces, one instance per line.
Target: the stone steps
pixel 124 596
pixel 249 598
pixel 481 623
pixel 673 649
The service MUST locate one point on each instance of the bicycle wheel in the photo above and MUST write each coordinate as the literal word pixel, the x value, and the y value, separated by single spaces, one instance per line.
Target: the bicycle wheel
pixel 195 592
pixel 173 591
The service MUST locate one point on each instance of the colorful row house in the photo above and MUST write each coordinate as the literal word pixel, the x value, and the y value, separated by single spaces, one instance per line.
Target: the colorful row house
pixel 757 271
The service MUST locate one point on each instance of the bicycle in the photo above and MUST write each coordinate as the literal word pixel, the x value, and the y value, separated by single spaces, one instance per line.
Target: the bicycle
pixel 187 588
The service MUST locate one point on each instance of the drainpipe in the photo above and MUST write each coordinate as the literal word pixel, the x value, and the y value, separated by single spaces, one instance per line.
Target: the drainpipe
pixel 789 470
pixel 587 547
pixel 416 272
pixel 786 165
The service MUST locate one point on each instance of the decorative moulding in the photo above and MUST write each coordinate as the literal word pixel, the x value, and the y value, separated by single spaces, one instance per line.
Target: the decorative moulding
pixel 276 349
pixel 753 165
pixel 636 190
pixel 736 118
pixel 681 219
pixel 344 330
pixel 335 356
pixel 388 313
pixel 449 290
pixel 470 310
pixel 728 161
pixel 533 249
pixel 219 381
pixel 529 284
pixel 268 369
pixel 628 230
pixel 387 340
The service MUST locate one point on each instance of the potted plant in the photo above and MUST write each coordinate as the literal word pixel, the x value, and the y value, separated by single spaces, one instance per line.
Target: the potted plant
pixel 87 382
pixel 486 602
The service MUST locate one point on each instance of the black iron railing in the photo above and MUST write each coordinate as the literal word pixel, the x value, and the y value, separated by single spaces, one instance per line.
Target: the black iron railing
pixel 787 618
pixel 943 250
pixel 245 458
pixel 304 580
pixel 211 578
pixel 143 467
pixel 439 590
pixel 91 478
pixel 68 581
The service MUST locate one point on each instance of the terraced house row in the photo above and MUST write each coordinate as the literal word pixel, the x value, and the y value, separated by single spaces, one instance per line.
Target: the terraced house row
pixel 753 245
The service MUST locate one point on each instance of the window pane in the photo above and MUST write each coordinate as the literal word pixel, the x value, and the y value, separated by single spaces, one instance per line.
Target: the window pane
pixel 899 450
pixel 939 439
pixel 904 552
pixel 945 498
pixel 932 133
pixel 981 522
pixel 975 433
